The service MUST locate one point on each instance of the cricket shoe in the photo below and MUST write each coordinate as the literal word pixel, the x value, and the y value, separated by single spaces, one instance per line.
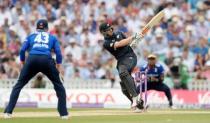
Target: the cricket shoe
pixel 172 107
pixel 65 117
pixel 135 102
pixel 137 110
pixel 140 104
pixel 7 116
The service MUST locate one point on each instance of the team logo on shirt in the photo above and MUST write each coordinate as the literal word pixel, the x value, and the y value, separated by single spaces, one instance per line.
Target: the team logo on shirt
pixel 118 36
pixel 111 44
pixel 156 70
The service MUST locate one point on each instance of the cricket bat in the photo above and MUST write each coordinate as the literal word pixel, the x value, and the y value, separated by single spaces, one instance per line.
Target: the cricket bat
pixel 154 21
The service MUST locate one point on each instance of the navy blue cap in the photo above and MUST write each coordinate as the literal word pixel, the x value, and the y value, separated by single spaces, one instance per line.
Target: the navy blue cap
pixel 42 24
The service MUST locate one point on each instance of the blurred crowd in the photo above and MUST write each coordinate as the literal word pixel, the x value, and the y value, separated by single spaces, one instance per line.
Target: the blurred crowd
pixel 180 41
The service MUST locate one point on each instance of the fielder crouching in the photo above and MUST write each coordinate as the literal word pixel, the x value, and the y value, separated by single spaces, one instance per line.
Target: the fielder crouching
pixel 155 78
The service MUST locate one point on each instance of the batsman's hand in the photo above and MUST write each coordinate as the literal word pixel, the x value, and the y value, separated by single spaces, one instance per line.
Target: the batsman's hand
pixel 153 79
pixel 22 63
pixel 60 69
pixel 136 39
pixel 58 66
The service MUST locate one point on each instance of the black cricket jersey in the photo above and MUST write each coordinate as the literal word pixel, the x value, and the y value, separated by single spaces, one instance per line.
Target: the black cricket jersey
pixel 120 52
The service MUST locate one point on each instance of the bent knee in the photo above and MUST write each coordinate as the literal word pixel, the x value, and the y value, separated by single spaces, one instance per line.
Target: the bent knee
pixel 123 74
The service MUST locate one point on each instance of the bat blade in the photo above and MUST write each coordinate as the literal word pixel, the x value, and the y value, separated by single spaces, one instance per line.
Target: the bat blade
pixel 155 20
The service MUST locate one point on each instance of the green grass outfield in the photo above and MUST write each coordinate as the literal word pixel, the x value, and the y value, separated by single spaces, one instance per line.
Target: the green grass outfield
pixel 25 115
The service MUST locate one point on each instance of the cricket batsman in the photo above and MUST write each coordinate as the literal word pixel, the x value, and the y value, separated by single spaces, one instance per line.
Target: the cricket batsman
pixel 39 45
pixel 155 78
pixel 119 46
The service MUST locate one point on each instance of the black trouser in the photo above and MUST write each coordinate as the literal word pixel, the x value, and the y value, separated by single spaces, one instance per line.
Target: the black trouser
pixel 158 87
pixel 125 66
pixel 33 65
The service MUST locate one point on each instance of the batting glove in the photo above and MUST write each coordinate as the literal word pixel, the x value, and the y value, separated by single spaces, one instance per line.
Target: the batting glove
pixel 136 39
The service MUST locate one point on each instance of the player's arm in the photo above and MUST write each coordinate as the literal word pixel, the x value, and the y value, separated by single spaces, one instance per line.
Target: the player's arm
pixel 161 79
pixel 57 53
pixel 23 49
pixel 127 41
pixel 149 79
pixel 137 38
pixel 161 72
pixel 154 21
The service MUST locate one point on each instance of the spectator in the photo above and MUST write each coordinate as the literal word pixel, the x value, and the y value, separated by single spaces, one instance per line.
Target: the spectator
pixel 171 9
pixel 69 66
pixel 73 46
pixel 202 26
pixel 122 25
pixel 188 59
pixel 5 15
pixel 189 36
pixel 146 10
pixel 199 66
pixel 22 27
pixel 202 48
pixel 3 74
pixel 159 42
pixel 3 38
pixel 179 73
pixel 173 36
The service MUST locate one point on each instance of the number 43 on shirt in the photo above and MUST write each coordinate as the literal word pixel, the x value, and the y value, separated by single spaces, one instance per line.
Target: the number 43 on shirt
pixel 42 37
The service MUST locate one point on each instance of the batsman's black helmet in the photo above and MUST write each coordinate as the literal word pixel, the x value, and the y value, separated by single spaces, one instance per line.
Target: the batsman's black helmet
pixel 104 27
pixel 42 24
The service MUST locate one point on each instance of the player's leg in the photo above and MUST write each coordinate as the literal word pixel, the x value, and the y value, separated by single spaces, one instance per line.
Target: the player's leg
pixel 26 74
pixel 127 79
pixel 164 88
pixel 125 92
pixel 52 73
pixel 140 105
pixel 125 67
